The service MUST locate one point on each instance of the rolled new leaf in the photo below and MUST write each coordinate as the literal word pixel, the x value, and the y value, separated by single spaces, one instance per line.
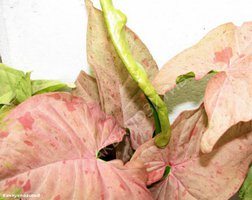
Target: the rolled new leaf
pixel 115 21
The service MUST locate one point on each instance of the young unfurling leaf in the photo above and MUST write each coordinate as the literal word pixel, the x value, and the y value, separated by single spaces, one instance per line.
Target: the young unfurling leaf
pixel 119 93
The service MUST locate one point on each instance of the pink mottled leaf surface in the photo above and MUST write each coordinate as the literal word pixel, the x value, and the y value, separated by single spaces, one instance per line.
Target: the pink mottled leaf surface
pixel 193 176
pixel 119 94
pixel 228 100
pixel 86 87
pixel 228 97
pixel 49 146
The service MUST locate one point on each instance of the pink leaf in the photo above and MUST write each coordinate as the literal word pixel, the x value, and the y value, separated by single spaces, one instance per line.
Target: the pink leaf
pixel 228 96
pixel 86 87
pixel 228 99
pixel 216 176
pixel 120 95
pixel 51 149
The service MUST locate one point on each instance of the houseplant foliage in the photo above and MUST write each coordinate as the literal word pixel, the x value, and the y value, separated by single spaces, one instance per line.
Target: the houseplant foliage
pixel 109 137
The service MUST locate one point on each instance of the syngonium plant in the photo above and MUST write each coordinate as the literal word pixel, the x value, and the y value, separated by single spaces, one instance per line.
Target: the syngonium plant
pixel 110 136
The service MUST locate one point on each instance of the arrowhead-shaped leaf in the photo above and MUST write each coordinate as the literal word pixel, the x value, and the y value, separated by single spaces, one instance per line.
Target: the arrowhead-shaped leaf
pixel 228 100
pixel 49 146
pixel 228 96
pixel 193 175
pixel 120 95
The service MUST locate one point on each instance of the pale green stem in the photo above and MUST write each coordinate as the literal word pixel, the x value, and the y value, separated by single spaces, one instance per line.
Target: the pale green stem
pixel 115 21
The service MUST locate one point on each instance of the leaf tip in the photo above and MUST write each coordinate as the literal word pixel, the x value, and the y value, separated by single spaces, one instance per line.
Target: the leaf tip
pixel 89 4
pixel 161 140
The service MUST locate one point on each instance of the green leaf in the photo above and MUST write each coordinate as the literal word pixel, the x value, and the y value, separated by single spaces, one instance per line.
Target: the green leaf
pixel 245 192
pixel 43 86
pixel 24 89
pixel 17 86
pixel 184 77
pixel 5 110
pixel 9 79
